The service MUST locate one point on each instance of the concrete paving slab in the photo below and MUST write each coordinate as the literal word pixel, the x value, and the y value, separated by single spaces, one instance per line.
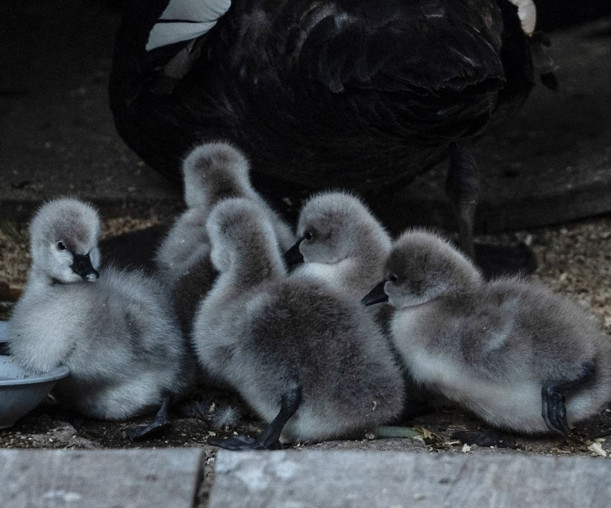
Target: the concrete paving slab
pixel 367 479
pixel 550 164
pixel 101 478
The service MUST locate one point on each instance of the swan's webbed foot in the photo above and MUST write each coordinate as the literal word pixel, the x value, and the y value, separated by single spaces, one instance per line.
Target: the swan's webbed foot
pixel 270 436
pixel 553 396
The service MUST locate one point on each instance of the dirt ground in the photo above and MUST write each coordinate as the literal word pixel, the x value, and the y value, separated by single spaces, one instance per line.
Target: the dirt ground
pixel 573 258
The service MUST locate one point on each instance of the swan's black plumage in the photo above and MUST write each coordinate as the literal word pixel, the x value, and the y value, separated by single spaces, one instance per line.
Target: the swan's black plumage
pixel 318 93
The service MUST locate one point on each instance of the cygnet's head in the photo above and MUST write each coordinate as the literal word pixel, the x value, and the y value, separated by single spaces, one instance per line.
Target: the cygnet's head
pixel 64 236
pixel 422 267
pixel 214 171
pixel 241 232
pixel 334 226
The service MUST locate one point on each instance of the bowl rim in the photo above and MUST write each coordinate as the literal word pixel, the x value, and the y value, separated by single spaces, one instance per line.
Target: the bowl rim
pixel 54 375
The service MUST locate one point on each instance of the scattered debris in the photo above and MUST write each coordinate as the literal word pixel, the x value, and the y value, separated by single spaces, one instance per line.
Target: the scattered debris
pixel 405 432
pixel 597 449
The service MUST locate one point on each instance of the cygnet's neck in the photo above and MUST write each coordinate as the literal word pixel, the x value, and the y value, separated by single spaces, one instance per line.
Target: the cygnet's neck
pixel 236 190
pixel 465 284
pixel 366 266
pixel 39 281
pixel 253 264
pixel 356 273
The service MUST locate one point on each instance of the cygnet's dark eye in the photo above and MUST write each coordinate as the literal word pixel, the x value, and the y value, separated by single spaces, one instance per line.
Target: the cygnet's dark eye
pixel 61 246
pixel 393 278
pixel 308 235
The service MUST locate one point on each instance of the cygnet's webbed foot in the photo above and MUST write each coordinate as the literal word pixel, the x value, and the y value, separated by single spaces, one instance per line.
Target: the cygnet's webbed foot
pixel 158 425
pixel 553 396
pixel 486 438
pixel 141 432
pixel 270 437
pixel 499 260
pixel 554 411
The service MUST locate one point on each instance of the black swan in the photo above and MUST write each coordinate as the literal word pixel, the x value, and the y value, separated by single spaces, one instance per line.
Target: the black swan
pixel 347 93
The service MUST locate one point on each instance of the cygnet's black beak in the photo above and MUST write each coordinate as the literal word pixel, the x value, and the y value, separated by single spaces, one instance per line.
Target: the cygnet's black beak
pixel 293 256
pixel 376 295
pixel 82 266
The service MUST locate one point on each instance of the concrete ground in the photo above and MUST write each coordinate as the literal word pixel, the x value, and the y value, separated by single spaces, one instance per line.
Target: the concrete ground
pixel 299 479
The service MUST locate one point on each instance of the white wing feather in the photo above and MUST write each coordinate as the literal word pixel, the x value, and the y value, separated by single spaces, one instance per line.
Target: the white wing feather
pixel 183 20
pixel 527 12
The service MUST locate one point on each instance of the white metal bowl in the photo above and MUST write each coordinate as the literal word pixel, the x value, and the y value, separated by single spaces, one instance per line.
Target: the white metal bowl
pixel 3 338
pixel 21 391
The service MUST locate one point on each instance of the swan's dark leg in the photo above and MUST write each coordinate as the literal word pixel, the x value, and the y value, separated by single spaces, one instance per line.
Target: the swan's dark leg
pixel 271 434
pixel 462 187
pixel 553 396
pixel 159 423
